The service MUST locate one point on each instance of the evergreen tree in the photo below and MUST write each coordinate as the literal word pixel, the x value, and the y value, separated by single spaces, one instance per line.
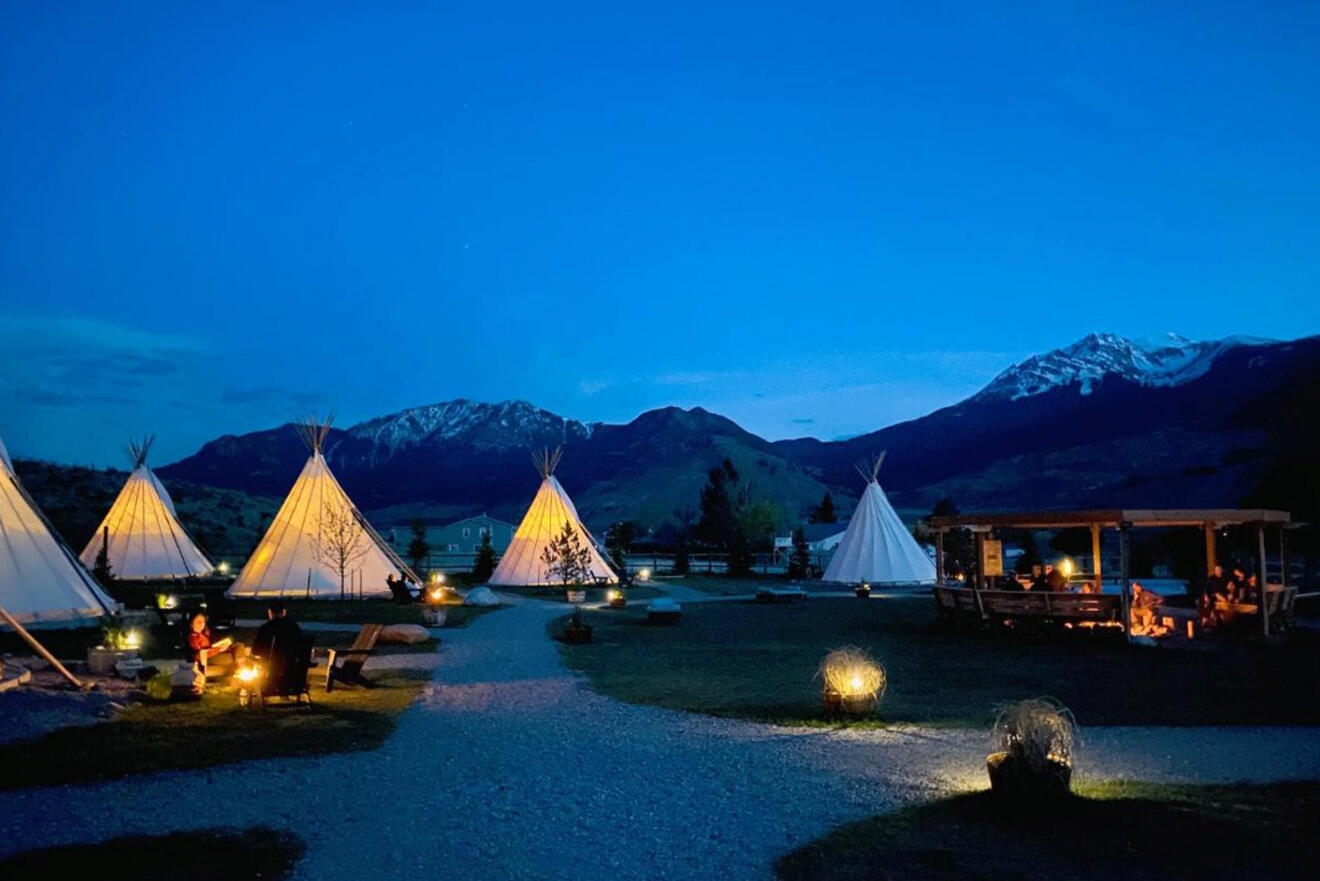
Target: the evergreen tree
pixel 683 546
pixel 717 511
pixel 101 569
pixel 799 562
pixel 824 512
pixel 618 541
pixel 483 565
pixel 419 549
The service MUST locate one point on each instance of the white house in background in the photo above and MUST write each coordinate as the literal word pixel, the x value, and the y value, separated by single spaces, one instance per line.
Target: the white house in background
pixel 460 537
pixel 821 538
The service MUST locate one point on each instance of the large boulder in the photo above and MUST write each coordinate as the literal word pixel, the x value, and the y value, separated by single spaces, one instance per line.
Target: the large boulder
pixel 481 596
pixel 406 634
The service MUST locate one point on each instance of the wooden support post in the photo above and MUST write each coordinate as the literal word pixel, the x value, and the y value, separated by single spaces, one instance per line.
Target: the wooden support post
pixel 980 559
pixel 1125 574
pixel 1096 565
pixel 1210 557
pixel 41 649
pixel 1264 584
pixel 939 556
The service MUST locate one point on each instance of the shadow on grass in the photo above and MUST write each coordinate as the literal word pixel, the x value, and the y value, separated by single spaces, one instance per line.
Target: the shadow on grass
pixel 1128 831
pixel 147 738
pixel 204 855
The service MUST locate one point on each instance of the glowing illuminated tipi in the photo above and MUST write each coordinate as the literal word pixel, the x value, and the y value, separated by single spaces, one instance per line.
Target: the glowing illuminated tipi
pixel 522 563
pixel 316 529
pixel 141 533
pixel 42 583
pixel 876 547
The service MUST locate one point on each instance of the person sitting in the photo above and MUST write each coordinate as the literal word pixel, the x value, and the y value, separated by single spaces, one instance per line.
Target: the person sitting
pixel 215 657
pixel 1145 607
pixel 1217 584
pixel 1249 591
pixel 278 643
pixel 398 589
pixel 1086 587
pixel 1238 586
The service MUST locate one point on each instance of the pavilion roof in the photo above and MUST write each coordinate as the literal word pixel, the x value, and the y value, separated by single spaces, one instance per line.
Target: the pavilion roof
pixel 1113 517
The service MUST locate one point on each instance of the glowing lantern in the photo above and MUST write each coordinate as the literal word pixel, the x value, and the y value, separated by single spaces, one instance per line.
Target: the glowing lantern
pixel 616 598
pixel 643 574
pixel 248 675
pixel 853 683
pixel 132 639
pixel 223 568
pixel 1032 750
pixel 1066 567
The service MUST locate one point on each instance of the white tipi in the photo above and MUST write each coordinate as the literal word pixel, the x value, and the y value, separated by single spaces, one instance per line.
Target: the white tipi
pixel 42 583
pixel 876 547
pixel 316 529
pixel 522 563
pixel 141 533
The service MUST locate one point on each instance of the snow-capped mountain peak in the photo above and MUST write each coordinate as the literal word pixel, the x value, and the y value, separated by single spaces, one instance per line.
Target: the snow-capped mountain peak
pixel 1164 361
pixel 495 427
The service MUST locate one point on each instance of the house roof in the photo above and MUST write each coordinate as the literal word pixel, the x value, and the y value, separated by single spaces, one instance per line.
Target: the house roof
pixel 1112 518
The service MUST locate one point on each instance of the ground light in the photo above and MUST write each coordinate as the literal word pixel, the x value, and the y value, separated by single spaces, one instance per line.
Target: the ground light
pixel 223 568
pixel 643 574
pixel 853 683
pixel 616 598
pixel 1032 750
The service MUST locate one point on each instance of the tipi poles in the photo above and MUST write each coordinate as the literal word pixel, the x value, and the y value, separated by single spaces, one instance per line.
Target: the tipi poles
pixel 41 649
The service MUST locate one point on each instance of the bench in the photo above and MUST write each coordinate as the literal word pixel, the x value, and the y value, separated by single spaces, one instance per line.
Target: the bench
pixel 345 665
pixel 1020 605
pixel 1280 600
pixel 778 595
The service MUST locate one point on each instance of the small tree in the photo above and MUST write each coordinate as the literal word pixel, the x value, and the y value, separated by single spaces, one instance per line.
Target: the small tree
pixel 799 562
pixel 567 560
pixel 483 565
pixel 419 548
pixel 340 541
pixel 824 512
pixel 683 551
pixel 101 569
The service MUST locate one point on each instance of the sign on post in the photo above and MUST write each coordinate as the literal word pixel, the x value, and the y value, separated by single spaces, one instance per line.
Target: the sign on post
pixel 992 558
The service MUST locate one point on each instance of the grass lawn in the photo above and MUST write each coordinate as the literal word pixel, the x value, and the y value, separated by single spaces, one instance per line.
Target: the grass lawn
pixel 758 661
pixel 1129 831
pixel 365 612
pixel 213 731
pixel 204 855
pixel 635 594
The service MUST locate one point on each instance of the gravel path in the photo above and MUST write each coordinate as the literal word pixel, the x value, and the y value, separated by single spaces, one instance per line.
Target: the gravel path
pixel 509 767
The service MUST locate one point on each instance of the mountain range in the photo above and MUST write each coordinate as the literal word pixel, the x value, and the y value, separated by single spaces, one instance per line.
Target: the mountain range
pixel 1105 421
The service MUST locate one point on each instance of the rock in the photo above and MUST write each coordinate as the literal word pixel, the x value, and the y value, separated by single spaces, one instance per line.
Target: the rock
pixel 407 634
pixel 481 596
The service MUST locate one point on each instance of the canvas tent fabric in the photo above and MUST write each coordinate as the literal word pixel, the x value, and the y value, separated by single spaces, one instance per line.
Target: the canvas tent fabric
pixel 551 509
pixel 876 547
pixel 288 561
pixel 42 583
pixel 142 533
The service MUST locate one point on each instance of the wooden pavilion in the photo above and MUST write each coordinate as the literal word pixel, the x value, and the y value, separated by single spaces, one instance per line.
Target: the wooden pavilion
pixel 1275 595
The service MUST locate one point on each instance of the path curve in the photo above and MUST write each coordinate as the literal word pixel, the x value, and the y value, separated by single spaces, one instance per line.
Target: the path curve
pixel 510 767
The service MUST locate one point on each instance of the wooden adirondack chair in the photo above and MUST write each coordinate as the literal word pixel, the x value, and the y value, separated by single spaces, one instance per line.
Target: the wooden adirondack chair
pixel 344 666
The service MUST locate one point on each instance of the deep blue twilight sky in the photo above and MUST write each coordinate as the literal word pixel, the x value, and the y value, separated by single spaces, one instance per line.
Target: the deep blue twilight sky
pixel 814 218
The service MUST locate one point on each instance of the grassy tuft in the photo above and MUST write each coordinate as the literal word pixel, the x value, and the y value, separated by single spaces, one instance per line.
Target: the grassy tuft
pixel 203 855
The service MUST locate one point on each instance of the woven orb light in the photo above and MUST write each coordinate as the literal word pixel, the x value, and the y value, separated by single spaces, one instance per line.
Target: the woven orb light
pixel 853 683
pixel 1032 747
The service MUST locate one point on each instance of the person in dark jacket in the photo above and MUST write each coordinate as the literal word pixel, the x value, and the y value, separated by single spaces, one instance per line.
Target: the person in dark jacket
pixel 278 642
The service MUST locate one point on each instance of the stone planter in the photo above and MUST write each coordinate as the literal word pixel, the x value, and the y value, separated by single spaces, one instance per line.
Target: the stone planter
pixel 579 635
pixel 101 661
pixel 1011 777
pixel 848 705
pixel 576 596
